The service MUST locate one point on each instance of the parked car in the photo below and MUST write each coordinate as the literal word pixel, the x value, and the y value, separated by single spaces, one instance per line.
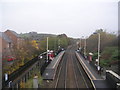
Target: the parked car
pixel 10 58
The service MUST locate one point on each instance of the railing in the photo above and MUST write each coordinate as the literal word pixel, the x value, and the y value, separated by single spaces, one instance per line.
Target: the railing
pixel 19 71
pixel 24 68
pixel 113 78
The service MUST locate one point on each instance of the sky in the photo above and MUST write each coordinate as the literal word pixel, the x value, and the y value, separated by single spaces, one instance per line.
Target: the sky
pixel 76 18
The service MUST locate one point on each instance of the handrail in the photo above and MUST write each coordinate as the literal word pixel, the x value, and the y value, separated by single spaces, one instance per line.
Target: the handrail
pixel 16 73
pixel 113 73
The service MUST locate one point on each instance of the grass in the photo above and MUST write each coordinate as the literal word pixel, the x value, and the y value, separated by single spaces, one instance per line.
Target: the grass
pixel 29 83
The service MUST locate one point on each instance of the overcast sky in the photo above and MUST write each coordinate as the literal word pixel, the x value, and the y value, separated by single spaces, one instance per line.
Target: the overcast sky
pixel 76 18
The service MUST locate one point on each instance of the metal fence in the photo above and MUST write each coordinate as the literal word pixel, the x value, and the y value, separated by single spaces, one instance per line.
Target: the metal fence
pixel 18 72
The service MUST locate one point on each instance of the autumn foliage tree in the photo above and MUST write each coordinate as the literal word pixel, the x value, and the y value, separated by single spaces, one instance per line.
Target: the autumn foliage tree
pixel 25 52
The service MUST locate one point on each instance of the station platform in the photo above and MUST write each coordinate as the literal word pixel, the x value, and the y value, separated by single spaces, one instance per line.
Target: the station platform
pixel 50 71
pixel 101 84
pixel 97 80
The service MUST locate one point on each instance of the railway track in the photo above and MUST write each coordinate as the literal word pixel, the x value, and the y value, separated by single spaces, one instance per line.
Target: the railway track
pixel 71 73
pixel 71 76
pixel 61 74
pixel 80 74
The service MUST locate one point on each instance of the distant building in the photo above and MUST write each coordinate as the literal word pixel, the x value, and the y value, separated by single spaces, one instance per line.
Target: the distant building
pixel 16 39
pixel 8 40
pixel 12 35
pixel 6 43
pixel 33 33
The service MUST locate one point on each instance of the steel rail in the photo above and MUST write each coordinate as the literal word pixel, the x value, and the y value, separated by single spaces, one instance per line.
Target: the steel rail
pixel 74 72
pixel 57 81
pixel 78 65
pixel 66 75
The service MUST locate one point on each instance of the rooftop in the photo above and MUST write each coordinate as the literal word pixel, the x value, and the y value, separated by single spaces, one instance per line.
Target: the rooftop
pixel 5 37
pixel 17 35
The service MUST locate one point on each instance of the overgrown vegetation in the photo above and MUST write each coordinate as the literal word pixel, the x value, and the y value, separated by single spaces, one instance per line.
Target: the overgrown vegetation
pixel 109 56
pixel 55 42
pixel 108 47
pixel 27 51
pixel 29 83
pixel 29 48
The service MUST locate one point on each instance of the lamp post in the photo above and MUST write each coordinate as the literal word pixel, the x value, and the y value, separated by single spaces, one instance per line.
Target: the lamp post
pixel 47 48
pixel 98 48
pixel 80 43
pixel 85 47
pixel 58 43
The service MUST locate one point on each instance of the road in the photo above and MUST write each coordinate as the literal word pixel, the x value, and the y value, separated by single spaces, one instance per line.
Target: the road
pixel 70 73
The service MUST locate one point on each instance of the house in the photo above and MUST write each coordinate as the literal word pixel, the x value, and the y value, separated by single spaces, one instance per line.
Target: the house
pixel 9 39
pixel 6 43
pixel 17 40
pixel 12 35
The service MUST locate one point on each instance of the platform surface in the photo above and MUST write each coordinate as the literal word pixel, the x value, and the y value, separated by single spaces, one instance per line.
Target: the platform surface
pixel 97 79
pixel 55 61
pixel 92 73
pixel 101 84
pixel 50 70
pixel 48 74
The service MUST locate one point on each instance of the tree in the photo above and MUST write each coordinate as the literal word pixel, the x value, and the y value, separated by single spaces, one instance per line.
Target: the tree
pixel 27 51
pixel 107 39
pixel 108 47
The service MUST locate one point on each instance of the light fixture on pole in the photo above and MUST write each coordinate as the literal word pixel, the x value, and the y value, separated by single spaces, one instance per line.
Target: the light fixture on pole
pixel 85 47
pixel 47 48
pixel 82 45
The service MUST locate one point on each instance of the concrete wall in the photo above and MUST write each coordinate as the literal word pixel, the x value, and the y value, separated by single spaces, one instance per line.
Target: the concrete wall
pixel 112 78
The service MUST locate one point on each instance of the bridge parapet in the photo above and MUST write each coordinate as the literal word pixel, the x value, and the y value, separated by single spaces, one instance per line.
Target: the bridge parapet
pixel 113 78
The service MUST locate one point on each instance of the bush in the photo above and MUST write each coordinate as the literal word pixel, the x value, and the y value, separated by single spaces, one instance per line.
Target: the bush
pixel 109 55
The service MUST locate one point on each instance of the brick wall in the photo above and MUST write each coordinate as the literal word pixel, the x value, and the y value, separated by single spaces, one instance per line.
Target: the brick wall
pixel 4 45
pixel 11 36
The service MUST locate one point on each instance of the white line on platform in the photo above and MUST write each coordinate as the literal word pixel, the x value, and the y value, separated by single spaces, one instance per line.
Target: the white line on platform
pixel 58 60
pixel 87 68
